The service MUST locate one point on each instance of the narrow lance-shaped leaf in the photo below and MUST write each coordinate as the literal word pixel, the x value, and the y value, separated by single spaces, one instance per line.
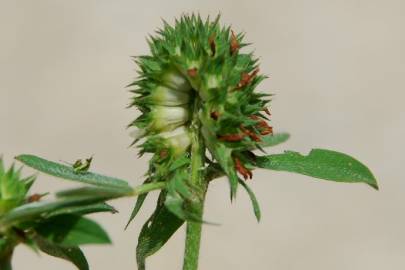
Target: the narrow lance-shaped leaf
pixel 94 192
pixel 83 210
pixel 252 196
pixel 139 202
pixel 66 172
pixel 320 163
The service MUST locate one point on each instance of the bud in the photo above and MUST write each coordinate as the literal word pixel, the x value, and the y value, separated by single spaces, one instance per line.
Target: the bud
pixel 176 81
pixel 168 118
pixel 171 143
pixel 166 96
pixel 178 140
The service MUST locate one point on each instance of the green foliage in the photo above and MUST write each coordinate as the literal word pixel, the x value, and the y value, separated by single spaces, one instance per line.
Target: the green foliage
pixel 252 196
pixel 55 227
pixel 13 188
pixel 69 173
pixel 156 232
pixel 83 210
pixel 139 202
pixel 269 141
pixel 72 230
pixel 201 118
pixel 320 163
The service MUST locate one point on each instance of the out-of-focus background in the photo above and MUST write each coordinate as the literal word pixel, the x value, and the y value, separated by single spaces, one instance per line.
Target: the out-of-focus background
pixel 337 69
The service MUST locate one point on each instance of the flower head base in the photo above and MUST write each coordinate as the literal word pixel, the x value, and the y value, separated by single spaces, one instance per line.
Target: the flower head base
pixel 200 60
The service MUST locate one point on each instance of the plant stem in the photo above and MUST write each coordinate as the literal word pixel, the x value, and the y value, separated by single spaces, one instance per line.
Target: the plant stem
pixel 193 232
pixel 5 261
pixel 193 241
pixel 145 188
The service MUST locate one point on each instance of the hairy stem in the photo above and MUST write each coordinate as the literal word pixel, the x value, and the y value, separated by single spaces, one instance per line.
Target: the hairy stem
pixel 193 232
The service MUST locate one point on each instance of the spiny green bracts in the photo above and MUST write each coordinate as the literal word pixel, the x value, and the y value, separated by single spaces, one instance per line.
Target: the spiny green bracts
pixel 201 60
pixel 13 188
pixel 13 193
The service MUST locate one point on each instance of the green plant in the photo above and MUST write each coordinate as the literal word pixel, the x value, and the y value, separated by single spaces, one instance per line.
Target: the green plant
pixel 56 227
pixel 202 118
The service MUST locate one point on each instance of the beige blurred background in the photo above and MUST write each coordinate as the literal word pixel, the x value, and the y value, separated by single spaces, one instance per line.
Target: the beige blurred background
pixel 337 69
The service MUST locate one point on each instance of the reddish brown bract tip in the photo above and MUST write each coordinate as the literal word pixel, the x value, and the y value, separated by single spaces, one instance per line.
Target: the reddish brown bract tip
pixel 234 44
pixel 211 41
pixel 192 72
pixel 247 78
pixel 250 133
pixel 265 129
pixel 34 198
pixel 231 137
pixel 247 174
pixel 214 115
pixel 164 153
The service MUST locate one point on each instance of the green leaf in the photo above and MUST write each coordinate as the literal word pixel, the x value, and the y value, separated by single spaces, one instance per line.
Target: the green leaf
pixel 156 232
pixel 66 172
pixel 180 162
pixel 139 202
pixel 36 209
pixel 320 163
pixel 270 140
pixel 252 196
pixel 224 157
pixel 273 140
pixel 72 230
pixel 94 192
pixel 83 210
pixel 71 254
